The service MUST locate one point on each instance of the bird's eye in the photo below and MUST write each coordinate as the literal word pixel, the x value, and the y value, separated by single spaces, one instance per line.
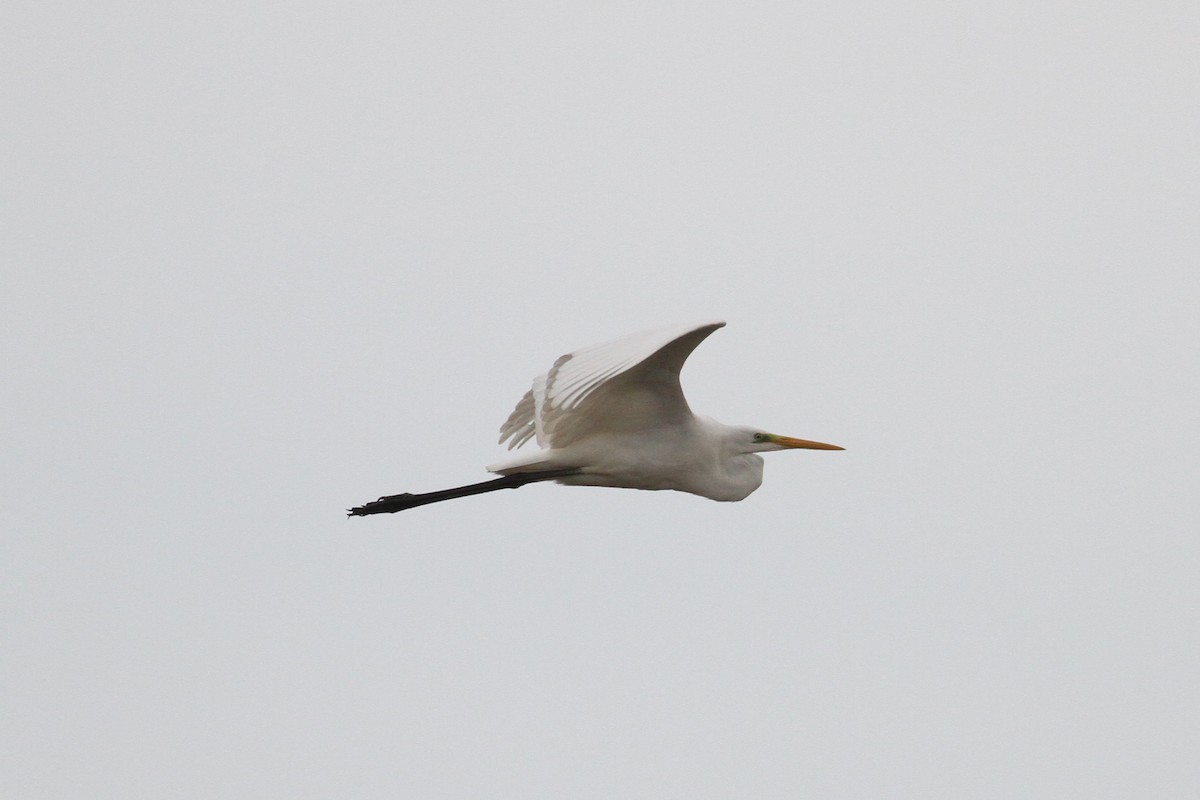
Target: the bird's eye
pixel 759 437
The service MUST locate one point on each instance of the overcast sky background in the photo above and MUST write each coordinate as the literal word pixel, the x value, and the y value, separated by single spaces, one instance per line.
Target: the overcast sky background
pixel 262 262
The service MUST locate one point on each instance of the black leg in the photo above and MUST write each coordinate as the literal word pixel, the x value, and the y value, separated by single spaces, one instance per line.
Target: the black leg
pixel 400 502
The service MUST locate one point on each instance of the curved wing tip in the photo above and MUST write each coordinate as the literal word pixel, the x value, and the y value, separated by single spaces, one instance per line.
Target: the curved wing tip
pixel 711 325
pixel 708 323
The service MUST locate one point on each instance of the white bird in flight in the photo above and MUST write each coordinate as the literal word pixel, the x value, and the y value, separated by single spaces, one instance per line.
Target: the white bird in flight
pixel 614 415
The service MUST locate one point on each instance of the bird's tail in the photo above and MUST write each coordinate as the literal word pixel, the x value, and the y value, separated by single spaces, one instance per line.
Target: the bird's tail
pixel 525 463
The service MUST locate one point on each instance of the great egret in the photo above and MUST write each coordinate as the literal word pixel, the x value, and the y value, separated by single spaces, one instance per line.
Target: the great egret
pixel 614 415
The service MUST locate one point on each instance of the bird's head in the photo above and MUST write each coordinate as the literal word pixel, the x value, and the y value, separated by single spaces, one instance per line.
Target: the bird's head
pixel 753 440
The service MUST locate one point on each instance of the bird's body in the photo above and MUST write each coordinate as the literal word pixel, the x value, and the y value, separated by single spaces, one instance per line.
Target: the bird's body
pixel 615 415
pixel 695 456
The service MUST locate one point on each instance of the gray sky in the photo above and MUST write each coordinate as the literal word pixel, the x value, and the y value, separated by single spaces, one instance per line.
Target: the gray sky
pixel 262 263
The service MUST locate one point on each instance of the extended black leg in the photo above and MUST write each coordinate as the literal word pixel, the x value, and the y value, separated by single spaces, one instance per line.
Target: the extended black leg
pixel 399 502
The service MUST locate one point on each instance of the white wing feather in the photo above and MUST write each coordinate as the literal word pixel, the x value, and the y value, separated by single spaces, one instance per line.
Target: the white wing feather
pixel 631 383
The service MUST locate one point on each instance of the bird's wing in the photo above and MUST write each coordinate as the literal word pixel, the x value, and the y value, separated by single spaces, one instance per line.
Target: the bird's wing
pixel 519 428
pixel 631 383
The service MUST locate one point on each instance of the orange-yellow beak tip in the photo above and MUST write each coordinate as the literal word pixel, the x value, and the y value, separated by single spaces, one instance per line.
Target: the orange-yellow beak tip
pixel 805 444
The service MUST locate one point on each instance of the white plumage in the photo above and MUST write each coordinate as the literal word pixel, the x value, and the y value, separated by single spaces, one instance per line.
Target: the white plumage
pixel 630 383
pixel 616 412
pixel 614 415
